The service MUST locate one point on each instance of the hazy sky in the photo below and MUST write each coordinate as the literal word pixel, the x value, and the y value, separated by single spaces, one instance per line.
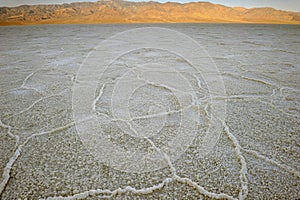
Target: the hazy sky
pixel 293 5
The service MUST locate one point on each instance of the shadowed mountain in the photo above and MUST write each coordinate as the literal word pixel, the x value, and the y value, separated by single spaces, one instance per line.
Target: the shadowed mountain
pixel 118 11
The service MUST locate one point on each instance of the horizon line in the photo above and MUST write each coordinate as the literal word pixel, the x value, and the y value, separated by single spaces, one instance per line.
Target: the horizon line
pixel 144 1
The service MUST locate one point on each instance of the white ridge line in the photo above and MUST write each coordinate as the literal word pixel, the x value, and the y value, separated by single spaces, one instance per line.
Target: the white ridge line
pixel 9 132
pixel 23 86
pixel 34 103
pixel 260 99
pixel 32 73
pixel 101 92
pixel 112 193
pixel 98 97
pixel 282 166
pixel 138 75
pixel 228 97
pixel 202 190
pixel 162 85
pixel 148 190
pixel 28 77
pixel 12 160
pixel 147 116
pixel 243 172
pixel 162 113
pixel 188 181
pixel 260 81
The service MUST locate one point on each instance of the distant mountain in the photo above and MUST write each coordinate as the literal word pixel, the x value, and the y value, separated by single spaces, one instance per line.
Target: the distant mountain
pixel 118 11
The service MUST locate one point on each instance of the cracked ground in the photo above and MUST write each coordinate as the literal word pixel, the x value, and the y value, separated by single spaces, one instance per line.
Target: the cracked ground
pixel 256 156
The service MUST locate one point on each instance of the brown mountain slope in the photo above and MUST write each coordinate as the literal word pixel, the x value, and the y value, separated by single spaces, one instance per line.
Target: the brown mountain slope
pixel 118 11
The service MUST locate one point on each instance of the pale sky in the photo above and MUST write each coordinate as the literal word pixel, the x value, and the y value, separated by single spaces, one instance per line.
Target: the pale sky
pixel 293 5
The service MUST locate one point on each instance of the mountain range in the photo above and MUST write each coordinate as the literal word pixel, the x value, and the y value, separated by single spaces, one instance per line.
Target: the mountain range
pixel 119 11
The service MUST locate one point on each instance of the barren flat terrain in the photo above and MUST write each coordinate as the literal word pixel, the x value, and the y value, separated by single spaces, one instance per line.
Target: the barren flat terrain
pixel 155 106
